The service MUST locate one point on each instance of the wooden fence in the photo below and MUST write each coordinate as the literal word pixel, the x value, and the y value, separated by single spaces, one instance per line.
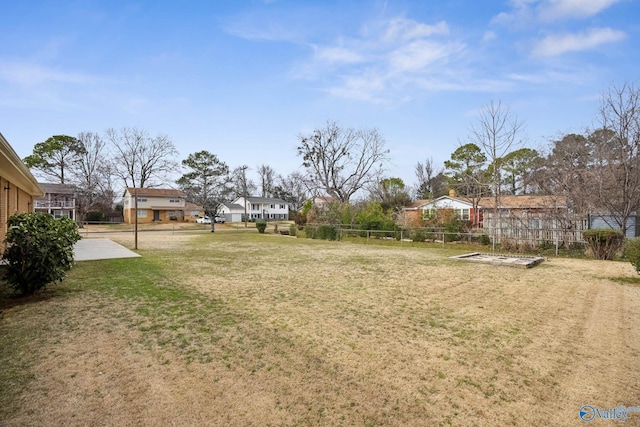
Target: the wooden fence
pixel 534 229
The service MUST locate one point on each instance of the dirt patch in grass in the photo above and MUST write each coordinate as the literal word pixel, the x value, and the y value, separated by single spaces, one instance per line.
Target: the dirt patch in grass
pixel 254 330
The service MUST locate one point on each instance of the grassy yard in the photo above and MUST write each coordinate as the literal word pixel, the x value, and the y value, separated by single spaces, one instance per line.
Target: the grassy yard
pixel 242 329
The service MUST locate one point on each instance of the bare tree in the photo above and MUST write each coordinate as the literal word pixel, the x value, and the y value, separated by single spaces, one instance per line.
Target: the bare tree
pixel 139 160
pixel 89 171
pixel 292 189
pixel 431 180
pixel 341 161
pixel 242 187
pixel 568 170
pixel 617 150
pixel 267 177
pixel 496 131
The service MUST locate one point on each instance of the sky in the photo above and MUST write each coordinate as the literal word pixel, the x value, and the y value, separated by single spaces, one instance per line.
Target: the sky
pixel 244 79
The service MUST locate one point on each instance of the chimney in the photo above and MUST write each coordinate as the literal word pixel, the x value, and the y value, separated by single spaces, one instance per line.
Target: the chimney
pixel 452 192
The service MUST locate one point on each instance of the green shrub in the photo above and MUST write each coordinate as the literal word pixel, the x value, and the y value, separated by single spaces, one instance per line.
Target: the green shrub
pixel 293 229
pixel 39 250
pixel 261 225
pixel 632 252
pixel 603 243
pixel 484 239
pixel 309 232
pixel 95 216
pixel 418 234
pixel 327 232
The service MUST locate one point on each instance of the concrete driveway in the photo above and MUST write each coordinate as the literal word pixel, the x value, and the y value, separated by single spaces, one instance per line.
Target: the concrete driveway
pixel 92 249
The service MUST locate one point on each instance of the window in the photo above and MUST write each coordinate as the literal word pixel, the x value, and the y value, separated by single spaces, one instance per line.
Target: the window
pixel 273 206
pixel 429 213
pixel 174 200
pixel 255 207
pixel 195 213
pixel 282 206
pixel 462 214
pixel 142 214
pixel 142 199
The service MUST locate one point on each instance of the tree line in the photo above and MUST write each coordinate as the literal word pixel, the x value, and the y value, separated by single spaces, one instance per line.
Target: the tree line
pixel 596 171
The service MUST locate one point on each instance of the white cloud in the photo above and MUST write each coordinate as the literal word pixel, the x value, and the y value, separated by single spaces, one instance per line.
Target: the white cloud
pixel 558 44
pixel 31 75
pixel 421 54
pixel 400 29
pixel 525 13
pixel 551 10
pixel 388 59
pixel 338 55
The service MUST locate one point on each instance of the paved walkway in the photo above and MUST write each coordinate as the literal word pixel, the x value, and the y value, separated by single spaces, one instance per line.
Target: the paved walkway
pixel 91 249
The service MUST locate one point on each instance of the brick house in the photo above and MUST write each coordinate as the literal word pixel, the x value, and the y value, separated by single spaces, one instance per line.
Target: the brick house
pixel 154 205
pixel 18 187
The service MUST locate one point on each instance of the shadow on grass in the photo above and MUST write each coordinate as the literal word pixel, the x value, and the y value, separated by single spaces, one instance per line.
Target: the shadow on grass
pixel 9 298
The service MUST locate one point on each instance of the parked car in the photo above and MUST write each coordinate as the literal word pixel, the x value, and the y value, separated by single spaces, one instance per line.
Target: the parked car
pixel 220 219
pixel 203 220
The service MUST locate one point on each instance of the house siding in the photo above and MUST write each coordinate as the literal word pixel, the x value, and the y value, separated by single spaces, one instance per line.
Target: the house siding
pixel 154 205
pixel 18 188
pixel 609 221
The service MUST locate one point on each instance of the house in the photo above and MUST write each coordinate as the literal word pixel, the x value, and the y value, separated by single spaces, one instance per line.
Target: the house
pixel 607 220
pixel 59 200
pixel 192 212
pixel 531 220
pixel 153 204
pixel 232 212
pixel 19 188
pixel 266 208
pixel 462 208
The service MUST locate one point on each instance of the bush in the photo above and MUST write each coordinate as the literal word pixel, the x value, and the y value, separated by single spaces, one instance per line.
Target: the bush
pixel 484 239
pixel 632 252
pixel 293 229
pixel 327 232
pixel 300 219
pixel 261 226
pixel 309 232
pixel 39 250
pixel 418 234
pixel 603 243
pixel 95 216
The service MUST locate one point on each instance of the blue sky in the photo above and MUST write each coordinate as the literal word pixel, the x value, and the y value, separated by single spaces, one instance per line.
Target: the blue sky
pixel 242 79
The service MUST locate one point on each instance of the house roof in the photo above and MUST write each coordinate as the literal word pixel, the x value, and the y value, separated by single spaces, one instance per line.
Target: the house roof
pixel 190 206
pixel 233 206
pixel 265 200
pixel 506 202
pixel 16 171
pixel 156 192
pixel 524 202
pixel 417 203
pixel 50 188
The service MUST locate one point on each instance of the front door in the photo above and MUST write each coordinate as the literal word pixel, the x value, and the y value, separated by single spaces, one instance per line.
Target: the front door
pixel 156 215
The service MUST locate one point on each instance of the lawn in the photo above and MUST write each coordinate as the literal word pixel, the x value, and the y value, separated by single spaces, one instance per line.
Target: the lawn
pixel 242 329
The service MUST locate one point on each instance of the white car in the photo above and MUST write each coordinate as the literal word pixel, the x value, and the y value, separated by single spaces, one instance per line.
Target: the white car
pixel 203 220
pixel 220 219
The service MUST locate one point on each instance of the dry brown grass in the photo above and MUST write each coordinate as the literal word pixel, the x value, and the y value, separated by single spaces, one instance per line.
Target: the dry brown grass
pixel 263 330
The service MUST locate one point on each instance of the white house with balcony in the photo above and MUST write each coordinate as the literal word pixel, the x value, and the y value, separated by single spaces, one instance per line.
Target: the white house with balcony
pixel 256 208
pixel 59 200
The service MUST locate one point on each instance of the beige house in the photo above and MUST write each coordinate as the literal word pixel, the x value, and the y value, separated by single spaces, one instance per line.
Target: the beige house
pixel 153 205
pixel 18 187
